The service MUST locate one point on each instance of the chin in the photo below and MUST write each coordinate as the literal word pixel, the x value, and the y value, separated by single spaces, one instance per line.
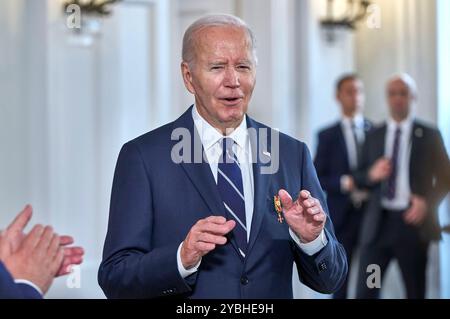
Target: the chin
pixel 232 118
pixel 235 112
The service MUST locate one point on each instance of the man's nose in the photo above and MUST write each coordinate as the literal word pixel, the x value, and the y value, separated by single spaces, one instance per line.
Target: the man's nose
pixel 231 78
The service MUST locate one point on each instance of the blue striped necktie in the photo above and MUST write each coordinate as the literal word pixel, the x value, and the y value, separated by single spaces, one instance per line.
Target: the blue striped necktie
pixel 229 183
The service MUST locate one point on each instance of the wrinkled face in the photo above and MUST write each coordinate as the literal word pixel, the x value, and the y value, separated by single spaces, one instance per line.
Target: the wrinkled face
pixel 400 99
pixel 351 97
pixel 222 75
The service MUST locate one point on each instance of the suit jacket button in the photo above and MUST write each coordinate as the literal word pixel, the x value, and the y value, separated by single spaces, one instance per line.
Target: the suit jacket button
pixel 322 266
pixel 244 280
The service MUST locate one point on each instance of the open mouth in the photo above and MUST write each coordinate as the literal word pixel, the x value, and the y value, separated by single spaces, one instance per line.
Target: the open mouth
pixel 231 100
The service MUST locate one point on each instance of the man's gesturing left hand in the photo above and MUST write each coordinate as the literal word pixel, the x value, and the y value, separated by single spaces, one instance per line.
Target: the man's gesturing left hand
pixel 304 216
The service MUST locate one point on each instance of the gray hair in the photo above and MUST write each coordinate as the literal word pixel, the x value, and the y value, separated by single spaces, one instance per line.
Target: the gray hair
pixel 407 80
pixel 215 20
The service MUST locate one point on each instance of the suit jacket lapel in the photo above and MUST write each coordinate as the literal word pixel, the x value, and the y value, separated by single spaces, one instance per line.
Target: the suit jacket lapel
pixel 201 176
pixel 196 168
pixel 199 171
pixel 381 141
pixel 367 126
pixel 414 161
pixel 261 148
pixel 341 138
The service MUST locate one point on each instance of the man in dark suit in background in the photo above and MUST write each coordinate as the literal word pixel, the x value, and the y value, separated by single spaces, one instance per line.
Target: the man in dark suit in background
pixel 199 220
pixel 407 168
pixel 338 156
pixel 29 262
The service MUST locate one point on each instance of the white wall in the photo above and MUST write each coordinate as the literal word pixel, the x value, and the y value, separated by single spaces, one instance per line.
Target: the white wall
pixel 101 96
pixel 406 42
pixel 66 110
pixel 14 121
pixel 320 63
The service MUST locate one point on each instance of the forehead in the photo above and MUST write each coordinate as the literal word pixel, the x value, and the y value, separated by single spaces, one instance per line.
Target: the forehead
pixel 352 83
pixel 219 40
pixel 397 84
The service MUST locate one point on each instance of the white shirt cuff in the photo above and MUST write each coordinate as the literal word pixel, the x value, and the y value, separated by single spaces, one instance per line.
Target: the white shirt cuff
pixel 313 247
pixel 29 283
pixel 183 271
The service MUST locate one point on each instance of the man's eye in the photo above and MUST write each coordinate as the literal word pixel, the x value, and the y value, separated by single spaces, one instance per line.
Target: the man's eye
pixel 244 67
pixel 217 67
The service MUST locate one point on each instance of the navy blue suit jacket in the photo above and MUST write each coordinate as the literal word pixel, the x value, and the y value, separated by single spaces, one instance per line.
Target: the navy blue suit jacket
pixel 331 162
pixel 155 202
pixel 10 290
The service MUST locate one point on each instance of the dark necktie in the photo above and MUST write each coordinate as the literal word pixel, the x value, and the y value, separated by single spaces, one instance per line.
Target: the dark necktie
pixel 358 146
pixel 229 183
pixel 392 182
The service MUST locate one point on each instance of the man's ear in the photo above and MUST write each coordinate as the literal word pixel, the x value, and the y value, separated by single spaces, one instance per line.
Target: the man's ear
pixel 187 77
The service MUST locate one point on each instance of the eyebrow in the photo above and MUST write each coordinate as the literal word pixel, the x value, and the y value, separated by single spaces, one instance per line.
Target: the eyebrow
pixel 215 63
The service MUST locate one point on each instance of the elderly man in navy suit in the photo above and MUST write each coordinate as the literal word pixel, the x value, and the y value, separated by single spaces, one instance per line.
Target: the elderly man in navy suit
pixel 29 262
pixel 201 207
pixel 338 156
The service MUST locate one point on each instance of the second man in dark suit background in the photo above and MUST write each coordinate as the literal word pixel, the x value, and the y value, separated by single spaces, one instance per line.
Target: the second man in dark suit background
pixel 337 157
pixel 406 166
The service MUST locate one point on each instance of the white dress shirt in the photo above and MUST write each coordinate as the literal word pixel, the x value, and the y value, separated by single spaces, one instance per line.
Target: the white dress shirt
pixel 357 196
pixel 212 143
pixel 346 125
pixel 403 190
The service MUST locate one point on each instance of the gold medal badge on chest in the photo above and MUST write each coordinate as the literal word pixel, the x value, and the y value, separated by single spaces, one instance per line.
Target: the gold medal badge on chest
pixel 278 209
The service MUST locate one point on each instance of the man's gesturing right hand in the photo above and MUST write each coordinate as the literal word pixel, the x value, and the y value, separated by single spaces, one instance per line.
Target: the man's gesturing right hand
pixel 203 237
pixel 381 170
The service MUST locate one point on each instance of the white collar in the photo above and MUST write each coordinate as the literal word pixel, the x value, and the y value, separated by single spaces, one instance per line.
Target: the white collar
pixel 404 125
pixel 358 119
pixel 209 136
